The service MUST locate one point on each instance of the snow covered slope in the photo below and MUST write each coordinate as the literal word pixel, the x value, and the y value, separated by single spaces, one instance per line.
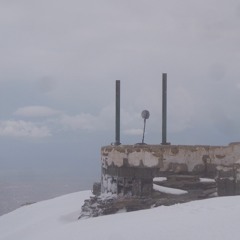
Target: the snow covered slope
pixel 212 219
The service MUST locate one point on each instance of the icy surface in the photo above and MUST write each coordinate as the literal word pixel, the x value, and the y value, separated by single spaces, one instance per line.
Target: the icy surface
pixel 216 218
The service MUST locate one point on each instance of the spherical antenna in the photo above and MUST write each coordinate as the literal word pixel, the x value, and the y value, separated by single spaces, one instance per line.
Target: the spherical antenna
pixel 145 114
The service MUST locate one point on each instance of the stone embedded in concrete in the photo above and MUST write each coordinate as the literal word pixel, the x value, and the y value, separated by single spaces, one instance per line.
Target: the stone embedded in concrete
pixel 127 186
pixel 187 178
pixel 96 188
pixel 226 187
pixel 228 180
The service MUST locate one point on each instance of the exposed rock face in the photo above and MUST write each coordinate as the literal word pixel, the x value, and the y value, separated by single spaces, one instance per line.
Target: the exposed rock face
pixel 113 203
pixel 98 206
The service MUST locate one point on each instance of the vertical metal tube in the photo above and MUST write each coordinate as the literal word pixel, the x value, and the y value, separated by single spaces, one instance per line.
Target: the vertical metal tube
pixel 164 108
pixel 144 127
pixel 117 130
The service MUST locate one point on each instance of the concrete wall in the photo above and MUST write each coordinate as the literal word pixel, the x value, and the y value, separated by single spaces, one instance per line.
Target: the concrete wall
pixel 140 163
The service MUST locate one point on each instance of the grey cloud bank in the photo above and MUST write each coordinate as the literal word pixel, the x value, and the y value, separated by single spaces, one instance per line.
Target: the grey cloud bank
pixel 36 111
pixel 60 59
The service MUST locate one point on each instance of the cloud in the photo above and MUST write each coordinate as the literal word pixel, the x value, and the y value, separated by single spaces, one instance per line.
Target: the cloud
pixel 83 121
pixel 36 111
pixel 182 110
pixel 133 132
pixel 74 61
pixel 12 128
pixel 87 121
pixel 46 84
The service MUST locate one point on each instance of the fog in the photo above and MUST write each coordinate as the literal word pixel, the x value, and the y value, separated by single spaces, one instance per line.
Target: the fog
pixel 59 62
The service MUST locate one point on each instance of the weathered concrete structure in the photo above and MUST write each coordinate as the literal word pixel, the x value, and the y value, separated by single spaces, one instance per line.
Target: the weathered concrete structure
pixel 130 169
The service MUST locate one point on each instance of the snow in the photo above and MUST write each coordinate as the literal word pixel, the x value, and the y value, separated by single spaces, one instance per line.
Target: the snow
pixel 168 190
pixel 159 179
pixel 207 180
pixel 216 218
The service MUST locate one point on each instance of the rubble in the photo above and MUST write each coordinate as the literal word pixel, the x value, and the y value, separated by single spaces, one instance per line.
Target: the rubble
pixel 106 204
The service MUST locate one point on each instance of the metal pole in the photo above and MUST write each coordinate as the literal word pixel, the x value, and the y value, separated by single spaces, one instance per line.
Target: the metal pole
pixel 144 127
pixel 164 108
pixel 117 130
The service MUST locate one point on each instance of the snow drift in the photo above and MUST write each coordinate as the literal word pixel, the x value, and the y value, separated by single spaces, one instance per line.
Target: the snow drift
pixel 210 219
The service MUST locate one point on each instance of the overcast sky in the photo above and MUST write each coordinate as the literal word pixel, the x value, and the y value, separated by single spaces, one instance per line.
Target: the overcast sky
pixel 60 58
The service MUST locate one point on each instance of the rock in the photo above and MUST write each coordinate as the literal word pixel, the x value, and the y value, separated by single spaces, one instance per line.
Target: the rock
pixel 96 188
pixel 102 204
